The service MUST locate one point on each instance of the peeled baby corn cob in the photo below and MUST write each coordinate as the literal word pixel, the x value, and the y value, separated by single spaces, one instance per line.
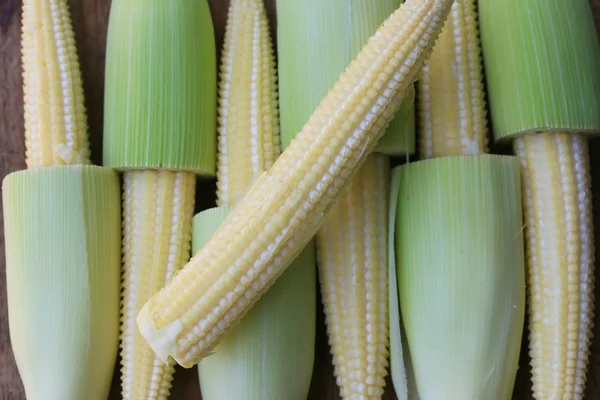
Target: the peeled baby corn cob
pixel 463 307
pixel 157 209
pixel 542 60
pixel 63 248
pixel 248 122
pixel 159 108
pixel 55 116
pixel 62 226
pixel 316 42
pixel 286 205
pixel 270 352
pixel 352 256
pixel 352 244
pixel 450 103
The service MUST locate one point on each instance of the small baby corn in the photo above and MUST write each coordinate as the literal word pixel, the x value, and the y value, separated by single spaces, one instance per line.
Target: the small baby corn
pixel 560 244
pixel 55 117
pixel 286 205
pixel 62 226
pixel 158 207
pixel 352 253
pixel 450 102
pixel 270 352
pixel 159 130
pixel 542 60
pixel 476 274
pixel 248 141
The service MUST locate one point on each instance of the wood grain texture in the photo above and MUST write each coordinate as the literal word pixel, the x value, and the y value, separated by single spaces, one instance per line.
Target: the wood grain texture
pixel 90 23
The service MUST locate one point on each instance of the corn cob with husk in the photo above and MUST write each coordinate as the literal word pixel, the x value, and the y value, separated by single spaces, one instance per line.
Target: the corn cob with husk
pixel 286 205
pixel 316 42
pixel 159 122
pixel 542 60
pixel 476 272
pixel 270 353
pixel 62 226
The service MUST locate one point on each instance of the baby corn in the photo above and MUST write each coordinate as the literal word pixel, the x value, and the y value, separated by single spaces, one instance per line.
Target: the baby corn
pixel 159 130
pixel 542 60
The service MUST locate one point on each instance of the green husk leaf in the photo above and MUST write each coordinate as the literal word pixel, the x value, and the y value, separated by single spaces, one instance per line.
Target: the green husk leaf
pixel 161 93
pixel 63 263
pixel 541 60
pixel 316 41
pixel 461 274
pixel 269 355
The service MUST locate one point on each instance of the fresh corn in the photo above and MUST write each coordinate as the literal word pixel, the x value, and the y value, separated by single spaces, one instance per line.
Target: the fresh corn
pixel 461 280
pixel 61 226
pixel 286 205
pixel 248 140
pixel 451 105
pixel 316 42
pixel 561 259
pixel 55 116
pixel 542 60
pixel 352 256
pixel 158 207
pixel 62 269
pixel 468 354
pixel 159 125
pixel 270 353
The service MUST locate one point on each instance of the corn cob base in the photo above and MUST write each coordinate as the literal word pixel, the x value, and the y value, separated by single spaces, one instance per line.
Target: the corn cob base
pixel 158 208
pixel 560 255
pixel 352 259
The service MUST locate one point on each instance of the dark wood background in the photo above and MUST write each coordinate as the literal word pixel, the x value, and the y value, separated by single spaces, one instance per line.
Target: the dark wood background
pixel 90 22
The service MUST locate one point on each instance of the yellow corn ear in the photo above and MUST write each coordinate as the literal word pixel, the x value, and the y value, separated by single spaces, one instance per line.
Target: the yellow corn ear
pixel 560 258
pixel 542 60
pixel 55 116
pixel 248 141
pixel 158 207
pixel 285 206
pixel 451 105
pixel 352 257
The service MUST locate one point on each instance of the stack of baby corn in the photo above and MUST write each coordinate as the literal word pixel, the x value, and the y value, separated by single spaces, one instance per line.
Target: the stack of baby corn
pixel 423 269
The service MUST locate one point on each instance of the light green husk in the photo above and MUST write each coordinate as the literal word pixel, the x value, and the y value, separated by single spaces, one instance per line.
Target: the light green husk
pixel 542 64
pixel 269 355
pixel 460 270
pixel 161 113
pixel 316 41
pixel 63 262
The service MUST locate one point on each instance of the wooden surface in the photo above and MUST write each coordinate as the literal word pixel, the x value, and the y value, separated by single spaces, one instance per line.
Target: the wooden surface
pixel 90 22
